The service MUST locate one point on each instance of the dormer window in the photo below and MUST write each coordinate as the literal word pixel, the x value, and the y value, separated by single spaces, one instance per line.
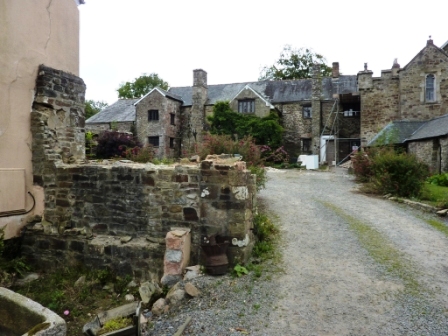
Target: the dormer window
pixel 246 106
pixel 430 94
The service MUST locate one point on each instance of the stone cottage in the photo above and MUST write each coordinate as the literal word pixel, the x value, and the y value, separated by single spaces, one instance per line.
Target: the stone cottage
pixel 309 108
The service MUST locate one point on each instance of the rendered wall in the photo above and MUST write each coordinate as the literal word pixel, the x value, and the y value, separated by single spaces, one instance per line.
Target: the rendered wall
pixel 32 33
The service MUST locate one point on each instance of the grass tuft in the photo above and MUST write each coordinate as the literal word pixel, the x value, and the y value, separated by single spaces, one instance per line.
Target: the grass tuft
pixel 438 225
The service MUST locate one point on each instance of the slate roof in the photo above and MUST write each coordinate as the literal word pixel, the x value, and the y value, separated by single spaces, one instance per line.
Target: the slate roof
pixel 121 110
pixel 434 128
pixel 396 132
pixel 163 92
pixel 281 91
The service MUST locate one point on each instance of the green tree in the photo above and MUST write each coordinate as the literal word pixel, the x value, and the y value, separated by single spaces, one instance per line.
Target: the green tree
pixel 92 107
pixel 265 131
pixel 141 86
pixel 295 64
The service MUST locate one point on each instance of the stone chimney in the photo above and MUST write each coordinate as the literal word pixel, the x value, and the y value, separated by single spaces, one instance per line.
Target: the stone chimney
pixel 395 68
pixel 430 41
pixel 196 118
pixel 365 79
pixel 335 69
pixel 199 78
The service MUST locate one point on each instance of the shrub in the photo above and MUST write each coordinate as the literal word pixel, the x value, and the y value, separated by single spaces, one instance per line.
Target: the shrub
pixel 400 174
pixel 274 156
pixel 112 144
pixel 439 179
pixel 139 154
pixel 362 166
pixel 219 144
pixel 265 131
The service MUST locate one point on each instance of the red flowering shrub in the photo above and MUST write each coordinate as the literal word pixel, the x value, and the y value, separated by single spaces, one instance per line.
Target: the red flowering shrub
pixel 112 144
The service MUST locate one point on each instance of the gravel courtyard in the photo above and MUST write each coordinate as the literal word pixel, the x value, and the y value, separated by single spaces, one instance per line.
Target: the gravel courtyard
pixel 352 265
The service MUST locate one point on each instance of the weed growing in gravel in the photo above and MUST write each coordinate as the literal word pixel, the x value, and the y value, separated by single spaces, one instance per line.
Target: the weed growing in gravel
pixel 239 270
pixel 382 251
pixel 267 233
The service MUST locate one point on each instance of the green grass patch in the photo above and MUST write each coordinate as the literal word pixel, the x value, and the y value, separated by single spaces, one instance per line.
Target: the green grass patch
pixel 382 251
pixel 435 195
pixel 438 225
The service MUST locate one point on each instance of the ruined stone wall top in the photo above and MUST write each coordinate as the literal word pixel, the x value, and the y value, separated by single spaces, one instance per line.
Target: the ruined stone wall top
pixel 57 121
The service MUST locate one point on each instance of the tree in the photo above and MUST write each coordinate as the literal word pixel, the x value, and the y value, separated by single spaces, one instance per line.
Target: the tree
pixel 141 86
pixel 295 64
pixel 93 107
pixel 265 131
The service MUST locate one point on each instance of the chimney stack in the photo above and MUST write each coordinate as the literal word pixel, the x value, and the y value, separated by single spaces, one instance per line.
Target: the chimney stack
pixel 395 68
pixel 335 69
pixel 199 78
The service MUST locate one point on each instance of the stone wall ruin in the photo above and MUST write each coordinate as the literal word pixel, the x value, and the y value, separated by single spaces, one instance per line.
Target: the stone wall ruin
pixel 117 213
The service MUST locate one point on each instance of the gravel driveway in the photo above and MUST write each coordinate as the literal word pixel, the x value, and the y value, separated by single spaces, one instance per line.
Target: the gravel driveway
pixel 353 265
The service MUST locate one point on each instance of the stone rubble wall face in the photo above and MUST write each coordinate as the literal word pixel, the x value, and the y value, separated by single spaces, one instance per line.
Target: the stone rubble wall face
pixel 412 86
pixel 444 155
pixel 162 127
pixel 122 126
pixel 379 106
pixel 423 150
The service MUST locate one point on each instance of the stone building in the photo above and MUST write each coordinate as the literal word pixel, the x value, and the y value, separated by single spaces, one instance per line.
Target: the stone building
pixel 33 33
pixel 313 112
pixel 416 92
pixel 329 116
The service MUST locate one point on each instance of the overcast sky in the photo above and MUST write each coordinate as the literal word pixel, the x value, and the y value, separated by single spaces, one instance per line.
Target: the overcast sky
pixel 232 40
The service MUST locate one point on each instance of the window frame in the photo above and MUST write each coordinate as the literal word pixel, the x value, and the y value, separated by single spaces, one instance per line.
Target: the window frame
pixel 307 112
pixel 173 119
pixel 308 148
pixel 246 105
pixel 153 138
pixel 172 142
pixel 153 115
pixel 433 88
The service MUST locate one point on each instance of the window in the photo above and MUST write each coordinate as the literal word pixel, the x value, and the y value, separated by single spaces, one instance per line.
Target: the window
pixel 154 141
pixel 171 142
pixel 246 106
pixel 172 119
pixel 306 110
pixel 306 145
pixel 430 88
pixel 153 115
